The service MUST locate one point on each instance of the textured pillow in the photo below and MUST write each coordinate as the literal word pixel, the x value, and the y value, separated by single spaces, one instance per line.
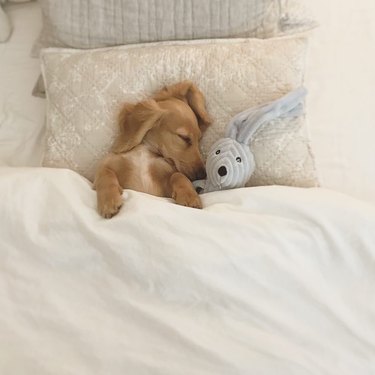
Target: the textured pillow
pixel 85 90
pixel 100 23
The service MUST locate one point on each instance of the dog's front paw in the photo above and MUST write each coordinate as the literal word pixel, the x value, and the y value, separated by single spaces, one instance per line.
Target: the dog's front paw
pixel 188 199
pixel 109 205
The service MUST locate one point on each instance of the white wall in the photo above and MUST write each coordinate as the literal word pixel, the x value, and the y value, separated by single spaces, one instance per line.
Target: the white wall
pixel 341 105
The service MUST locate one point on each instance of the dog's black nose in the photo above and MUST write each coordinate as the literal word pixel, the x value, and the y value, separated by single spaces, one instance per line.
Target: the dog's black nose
pixel 222 171
pixel 201 174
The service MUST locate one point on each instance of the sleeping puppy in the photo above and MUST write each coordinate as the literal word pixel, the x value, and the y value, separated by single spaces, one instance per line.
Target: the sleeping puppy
pixel 157 149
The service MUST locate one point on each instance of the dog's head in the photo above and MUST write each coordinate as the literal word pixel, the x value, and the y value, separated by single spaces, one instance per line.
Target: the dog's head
pixel 172 123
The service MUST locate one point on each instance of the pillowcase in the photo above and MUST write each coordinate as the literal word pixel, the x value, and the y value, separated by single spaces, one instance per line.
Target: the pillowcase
pixel 95 23
pixel 5 27
pixel 99 23
pixel 85 91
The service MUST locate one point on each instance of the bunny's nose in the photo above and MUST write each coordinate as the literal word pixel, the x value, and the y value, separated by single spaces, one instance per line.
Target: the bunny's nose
pixel 222 171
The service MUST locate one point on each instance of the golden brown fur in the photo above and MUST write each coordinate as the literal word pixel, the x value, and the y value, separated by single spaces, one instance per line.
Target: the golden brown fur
pixel 157 150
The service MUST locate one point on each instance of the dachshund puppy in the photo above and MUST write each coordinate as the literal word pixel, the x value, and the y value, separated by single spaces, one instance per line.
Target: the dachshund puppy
pixel 157 149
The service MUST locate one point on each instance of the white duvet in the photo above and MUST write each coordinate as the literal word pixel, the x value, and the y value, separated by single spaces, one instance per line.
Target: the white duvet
pixel 269 280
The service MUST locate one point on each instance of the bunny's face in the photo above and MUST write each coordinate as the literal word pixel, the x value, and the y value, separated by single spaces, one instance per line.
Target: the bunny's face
pixel 229 164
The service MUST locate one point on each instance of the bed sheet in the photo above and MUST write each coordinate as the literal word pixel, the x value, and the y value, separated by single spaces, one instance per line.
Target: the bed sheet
pixel 341 81
pixel 269 280
pixel 21 114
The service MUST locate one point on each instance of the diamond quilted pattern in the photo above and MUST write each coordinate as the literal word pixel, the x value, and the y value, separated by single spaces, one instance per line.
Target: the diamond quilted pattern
pixel 85 90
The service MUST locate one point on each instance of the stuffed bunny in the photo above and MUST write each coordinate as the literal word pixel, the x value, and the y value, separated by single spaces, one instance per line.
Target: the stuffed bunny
pixel 230 162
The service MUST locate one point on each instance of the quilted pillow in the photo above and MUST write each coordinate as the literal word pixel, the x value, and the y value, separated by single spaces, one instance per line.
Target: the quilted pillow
pixel 85 90
pixel 99 23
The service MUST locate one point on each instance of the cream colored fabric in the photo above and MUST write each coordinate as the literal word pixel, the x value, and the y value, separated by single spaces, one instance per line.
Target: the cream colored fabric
pixel 5 27
pixel 99 23
pixel 263 281
pixel 85 90
pixel 283 155
pixel 21 115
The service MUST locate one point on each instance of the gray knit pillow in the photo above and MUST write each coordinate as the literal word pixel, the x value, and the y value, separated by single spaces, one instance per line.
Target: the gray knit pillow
pixel 101 23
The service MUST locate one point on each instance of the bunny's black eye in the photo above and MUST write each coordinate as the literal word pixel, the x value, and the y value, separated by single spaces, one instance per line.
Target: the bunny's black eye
pixel 238 160
pixel 217 152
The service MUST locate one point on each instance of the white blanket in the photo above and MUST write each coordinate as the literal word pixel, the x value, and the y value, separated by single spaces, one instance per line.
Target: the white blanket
pixel 269 280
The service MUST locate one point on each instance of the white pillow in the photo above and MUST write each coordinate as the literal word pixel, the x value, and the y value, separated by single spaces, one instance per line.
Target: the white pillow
pixel 85 90
pixel 5 27
pixel 73 24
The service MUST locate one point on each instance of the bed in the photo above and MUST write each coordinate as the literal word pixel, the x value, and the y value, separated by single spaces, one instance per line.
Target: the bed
pixel 263 280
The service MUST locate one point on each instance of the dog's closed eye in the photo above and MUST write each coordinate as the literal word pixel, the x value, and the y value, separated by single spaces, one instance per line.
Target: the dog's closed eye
pixel 186 139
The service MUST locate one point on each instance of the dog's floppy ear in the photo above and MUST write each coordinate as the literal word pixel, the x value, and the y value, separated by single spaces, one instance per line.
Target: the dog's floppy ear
pixel 135 120
pixel 190 93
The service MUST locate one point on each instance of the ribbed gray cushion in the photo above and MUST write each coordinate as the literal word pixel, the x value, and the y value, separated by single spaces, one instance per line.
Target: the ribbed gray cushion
pixel 101 23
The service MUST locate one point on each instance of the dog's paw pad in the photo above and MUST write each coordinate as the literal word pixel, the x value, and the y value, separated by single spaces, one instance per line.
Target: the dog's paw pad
pixel 110 209
pixel 189 200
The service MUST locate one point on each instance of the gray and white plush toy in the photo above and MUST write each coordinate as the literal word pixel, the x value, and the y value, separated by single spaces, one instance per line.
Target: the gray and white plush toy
pixel 230 162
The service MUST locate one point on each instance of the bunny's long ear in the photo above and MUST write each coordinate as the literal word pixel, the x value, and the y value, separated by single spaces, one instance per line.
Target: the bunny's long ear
pixel 243 126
